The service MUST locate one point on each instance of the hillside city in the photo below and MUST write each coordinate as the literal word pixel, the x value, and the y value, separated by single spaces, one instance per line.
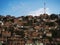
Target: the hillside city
pixel 30 30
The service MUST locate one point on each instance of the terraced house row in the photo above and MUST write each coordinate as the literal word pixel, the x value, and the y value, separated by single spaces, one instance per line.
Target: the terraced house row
pixel 30 30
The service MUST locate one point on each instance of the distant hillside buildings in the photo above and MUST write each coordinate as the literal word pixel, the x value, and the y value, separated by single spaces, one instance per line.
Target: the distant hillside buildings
pixel 28 30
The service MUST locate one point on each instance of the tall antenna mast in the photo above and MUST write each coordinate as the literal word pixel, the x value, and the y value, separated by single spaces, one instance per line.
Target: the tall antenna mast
pixel 44 7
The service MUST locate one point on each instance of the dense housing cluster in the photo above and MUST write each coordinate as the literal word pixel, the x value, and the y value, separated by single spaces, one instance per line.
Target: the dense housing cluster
pixel 30 30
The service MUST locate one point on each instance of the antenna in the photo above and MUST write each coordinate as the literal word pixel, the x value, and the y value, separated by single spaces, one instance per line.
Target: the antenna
pixel 44 7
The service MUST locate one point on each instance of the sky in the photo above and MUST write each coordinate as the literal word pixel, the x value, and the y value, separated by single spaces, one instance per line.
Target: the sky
pixel 28 7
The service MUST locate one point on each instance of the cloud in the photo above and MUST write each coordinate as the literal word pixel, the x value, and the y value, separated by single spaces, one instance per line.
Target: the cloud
pixel 39 11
